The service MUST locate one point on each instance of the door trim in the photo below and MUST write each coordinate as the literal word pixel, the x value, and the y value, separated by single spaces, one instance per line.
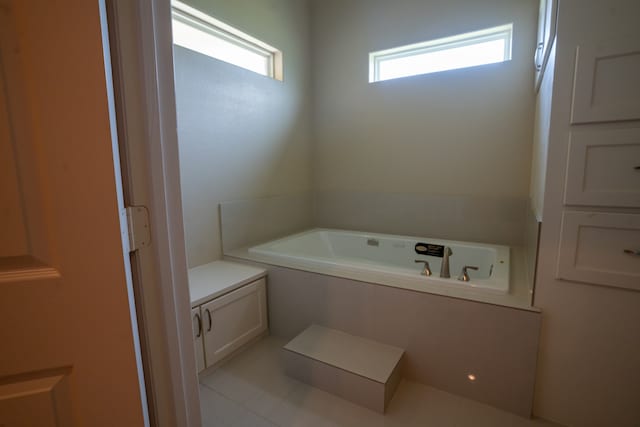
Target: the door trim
pixel 110 89
pixel 142 54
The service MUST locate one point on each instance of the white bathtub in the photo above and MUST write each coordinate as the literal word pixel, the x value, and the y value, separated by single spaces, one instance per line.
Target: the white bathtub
pixel 389 260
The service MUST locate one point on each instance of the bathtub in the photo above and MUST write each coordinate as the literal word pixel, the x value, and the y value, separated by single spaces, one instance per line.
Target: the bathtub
pixel 390 260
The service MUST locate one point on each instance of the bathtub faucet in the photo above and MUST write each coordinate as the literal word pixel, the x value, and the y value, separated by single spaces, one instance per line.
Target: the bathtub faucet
pixel 426 271
pixel 444 268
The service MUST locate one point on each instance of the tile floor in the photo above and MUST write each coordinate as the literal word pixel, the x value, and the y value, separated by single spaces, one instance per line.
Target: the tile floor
pixel 251 390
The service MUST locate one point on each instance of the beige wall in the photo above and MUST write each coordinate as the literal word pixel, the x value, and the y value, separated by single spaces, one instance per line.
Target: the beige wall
pixel 242 135
pixel 589 358
pixel 459 133
pixel 463 132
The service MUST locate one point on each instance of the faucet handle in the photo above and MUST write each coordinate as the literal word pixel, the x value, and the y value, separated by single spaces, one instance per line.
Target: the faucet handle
pixel 464 275
pixel 427 270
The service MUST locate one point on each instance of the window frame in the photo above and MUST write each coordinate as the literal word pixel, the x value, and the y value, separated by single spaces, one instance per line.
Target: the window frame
pixel 207 24
pixel 502 32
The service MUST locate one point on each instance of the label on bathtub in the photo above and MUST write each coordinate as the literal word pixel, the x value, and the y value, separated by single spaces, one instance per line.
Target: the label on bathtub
pixel 430 249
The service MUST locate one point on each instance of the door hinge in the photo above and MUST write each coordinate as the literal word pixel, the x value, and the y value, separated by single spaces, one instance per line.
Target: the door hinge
pixel 139 231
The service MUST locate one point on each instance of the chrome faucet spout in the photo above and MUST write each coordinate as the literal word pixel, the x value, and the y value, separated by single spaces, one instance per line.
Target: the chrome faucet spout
pixel 444 268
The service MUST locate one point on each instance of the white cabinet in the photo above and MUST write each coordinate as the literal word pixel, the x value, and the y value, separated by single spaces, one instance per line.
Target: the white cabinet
pixel 233 320
pixel 601 245
pixel 229 309
pixel 547 17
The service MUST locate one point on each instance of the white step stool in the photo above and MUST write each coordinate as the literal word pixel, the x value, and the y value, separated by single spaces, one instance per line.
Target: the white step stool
pixel 357 369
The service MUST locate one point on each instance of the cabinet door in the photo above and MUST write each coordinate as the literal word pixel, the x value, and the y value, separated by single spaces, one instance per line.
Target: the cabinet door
pixel 604 167
pixel 234 319
pixel 198 337
pixel 607 82
pixel 601 248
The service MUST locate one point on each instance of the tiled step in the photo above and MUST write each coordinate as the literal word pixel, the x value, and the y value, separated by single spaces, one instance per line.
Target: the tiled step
pixel 357 369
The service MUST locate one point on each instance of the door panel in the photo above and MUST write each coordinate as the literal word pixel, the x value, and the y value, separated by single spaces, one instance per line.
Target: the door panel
pixel 198 338
pixel 604 167
pixel 236 318
pixel 41 402
pixel 601 248
pixel 65 303
pixel 12 227
pixel 607 82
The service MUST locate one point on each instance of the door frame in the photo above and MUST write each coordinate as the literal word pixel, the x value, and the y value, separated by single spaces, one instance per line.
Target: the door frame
pixel 142 59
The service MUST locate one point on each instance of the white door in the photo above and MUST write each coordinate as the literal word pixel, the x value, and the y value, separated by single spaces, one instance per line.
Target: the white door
pixel 67 326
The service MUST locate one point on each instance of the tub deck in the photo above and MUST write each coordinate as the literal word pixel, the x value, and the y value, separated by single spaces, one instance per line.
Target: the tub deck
pixel 518 295
pixel 502 278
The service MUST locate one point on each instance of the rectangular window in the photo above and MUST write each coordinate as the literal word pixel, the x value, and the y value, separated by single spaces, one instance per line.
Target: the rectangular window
pixel 464 50
pixel 204 34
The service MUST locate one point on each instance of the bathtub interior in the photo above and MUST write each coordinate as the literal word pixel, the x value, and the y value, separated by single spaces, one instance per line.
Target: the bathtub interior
pixel 400 253
pixel 393 253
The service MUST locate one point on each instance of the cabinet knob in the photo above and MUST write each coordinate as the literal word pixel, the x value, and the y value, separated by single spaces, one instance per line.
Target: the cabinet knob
pixel 632 252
